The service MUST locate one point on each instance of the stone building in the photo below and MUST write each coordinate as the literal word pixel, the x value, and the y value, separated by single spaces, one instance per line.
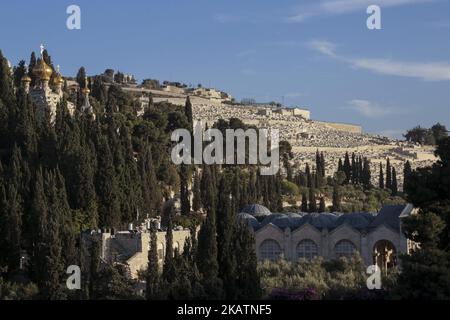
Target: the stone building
pixel 130 248
pixel 378 237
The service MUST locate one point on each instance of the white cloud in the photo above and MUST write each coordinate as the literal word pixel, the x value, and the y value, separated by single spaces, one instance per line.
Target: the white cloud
pixel 368 109
pixel 325 47
pixel 425 71
pixel 337 7
pixel 429 71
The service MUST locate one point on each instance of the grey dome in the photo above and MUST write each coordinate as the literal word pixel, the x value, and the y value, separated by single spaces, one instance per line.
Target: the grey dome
pixel 320 220
pixel 248 218
pixel 257 210
pixel 356 220
pixel 270 218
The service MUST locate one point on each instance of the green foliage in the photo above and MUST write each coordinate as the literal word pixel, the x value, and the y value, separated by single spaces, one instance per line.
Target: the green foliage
pixel 336 280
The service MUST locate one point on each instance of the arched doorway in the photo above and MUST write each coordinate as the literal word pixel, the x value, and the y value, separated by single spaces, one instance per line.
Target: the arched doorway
pixel 384 255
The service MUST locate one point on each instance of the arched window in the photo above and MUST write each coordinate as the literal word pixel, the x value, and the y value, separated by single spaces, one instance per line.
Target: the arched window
pixel 269 250
pixel 344 248
pixel 306 249
pixel 384 255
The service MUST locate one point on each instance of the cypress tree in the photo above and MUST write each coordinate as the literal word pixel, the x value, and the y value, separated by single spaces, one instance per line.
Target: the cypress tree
pixel 322 162
pixel 366 176
pixel 81 77
pixel 152 274
pixel 53 263
pixel 304 207
pixel 322 206
pixel 381 177
pixel 107 187
pixel 169 273
pixel 10 227
pixel 388 174
pixel 407 171
pixel 225 234
pixel 340 165
pixel 247 278
pixel 184 190
pixel 207 258
pixel 188 111
pixel 312 201
pixel 151 191
pixel 337 206
pixel 347 168
pixel 31 66
pixel 197 197
pixel 394 182
pixel 308 176
pixel 354 170
pixel 208 189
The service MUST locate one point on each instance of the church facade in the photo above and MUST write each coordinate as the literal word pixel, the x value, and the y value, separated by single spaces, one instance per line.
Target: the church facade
pixel 377 237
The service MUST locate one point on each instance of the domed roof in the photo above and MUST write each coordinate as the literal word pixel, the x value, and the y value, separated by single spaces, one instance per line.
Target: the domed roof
pixel 42 70
pixel 257 210
pixel 291 220
pixel 26 78
pixel 320 220
pixel 58 79
pixel 247 218
pixel 358 220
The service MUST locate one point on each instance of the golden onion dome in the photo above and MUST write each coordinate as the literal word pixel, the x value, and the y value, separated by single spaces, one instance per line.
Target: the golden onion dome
pixel 85 90
pixel 26 78
pixel 42 70
pixel 58 79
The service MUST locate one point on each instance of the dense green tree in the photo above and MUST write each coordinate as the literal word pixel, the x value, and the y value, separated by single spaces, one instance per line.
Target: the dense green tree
pixel 225 233
pixel 407 171
pixel 184 190
pixel 152 273
pixel 322 206
pixel 312 201
pixel 347 168
pixel 196 193
pixel 248 282
pixel 394 186
pixel 388 174
pixel 337 205
pixel 381 177
pixel 188 111
pixel 107 187
pixel 425 272
pixel 207 257
pixel 304 205
pixel 169 271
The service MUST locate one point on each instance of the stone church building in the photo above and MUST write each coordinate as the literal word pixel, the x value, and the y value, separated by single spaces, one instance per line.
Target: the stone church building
pixel 378 237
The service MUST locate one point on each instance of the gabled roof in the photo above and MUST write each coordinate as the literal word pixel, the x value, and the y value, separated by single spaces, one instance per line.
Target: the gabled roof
pixel 389 216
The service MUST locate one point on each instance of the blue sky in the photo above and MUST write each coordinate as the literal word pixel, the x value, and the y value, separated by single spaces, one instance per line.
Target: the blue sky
pixel 313 53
